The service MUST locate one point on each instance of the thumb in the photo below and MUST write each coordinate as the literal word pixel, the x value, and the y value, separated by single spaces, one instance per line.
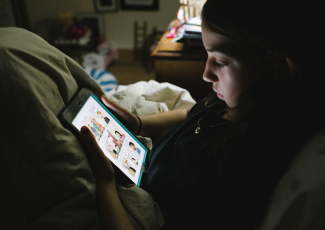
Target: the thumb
pixel 95 153
pixel 100 165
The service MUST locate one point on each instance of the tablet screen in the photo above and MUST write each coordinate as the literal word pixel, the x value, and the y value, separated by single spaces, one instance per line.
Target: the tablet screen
pixel 117 143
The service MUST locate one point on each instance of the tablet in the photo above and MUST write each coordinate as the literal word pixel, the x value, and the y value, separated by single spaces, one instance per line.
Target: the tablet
pixel 119 145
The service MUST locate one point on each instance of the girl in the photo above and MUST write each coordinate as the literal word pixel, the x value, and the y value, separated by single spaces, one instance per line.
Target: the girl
pixel 250 126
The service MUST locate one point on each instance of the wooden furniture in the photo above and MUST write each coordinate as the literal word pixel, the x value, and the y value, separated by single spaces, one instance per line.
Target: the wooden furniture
pixel 140 35
pixel 151 44
pixel 182 65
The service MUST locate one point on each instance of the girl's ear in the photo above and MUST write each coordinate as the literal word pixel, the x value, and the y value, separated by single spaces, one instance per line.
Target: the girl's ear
pixel 281 67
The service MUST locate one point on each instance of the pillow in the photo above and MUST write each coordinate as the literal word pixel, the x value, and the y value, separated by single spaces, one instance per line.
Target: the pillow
pixel 105 79
pixel 46 179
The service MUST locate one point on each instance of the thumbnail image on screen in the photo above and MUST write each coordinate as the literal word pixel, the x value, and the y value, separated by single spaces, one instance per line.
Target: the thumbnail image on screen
pixel 117 143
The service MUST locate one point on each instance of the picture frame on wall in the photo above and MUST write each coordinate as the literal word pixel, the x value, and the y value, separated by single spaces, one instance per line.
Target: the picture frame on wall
pixel 92 20
pixel 139 5
pixel 105 6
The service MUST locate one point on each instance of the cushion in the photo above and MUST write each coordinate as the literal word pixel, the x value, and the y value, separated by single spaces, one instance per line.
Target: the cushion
pixel 46 179
pixel 105 79
pixel 47 182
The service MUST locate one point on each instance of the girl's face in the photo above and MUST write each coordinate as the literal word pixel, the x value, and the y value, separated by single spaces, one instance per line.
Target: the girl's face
pixel 231 68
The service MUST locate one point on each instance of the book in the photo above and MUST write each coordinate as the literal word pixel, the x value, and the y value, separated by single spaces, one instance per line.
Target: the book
pixel 192 29
pixel 195 21
pixel 182 36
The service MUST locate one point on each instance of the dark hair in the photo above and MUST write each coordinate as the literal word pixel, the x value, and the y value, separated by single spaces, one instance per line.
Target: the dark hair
pixel 272 30
pixel 272 120
pixel 131 143
pixel 262 31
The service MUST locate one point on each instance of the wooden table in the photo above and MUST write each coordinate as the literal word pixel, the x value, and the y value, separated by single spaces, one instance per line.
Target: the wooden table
pixel 179 64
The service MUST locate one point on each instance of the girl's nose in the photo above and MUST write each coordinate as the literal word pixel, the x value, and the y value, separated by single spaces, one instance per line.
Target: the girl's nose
pixel 208 74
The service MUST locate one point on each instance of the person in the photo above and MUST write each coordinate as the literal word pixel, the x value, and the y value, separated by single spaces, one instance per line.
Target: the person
pixel 132 171
pixel 250 132
pixel 118 149
pixel 95 132
pixel 95 125
pixel 126 164
pixel 132 146
pixel 115 153
pixel 117 133
pixel 99 114
pixel 264 104
pixel 116 142
pixel 134 161
pixel 109 148
pixel 106 119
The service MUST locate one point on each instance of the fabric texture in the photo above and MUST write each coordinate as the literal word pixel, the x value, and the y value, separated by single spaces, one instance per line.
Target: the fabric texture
pixel 105 79
pixel 46 179
pixel 191 196
pixel 181 157
pixel 143 212
pixel 143 98
pixel 166 96
pixel 298 201
pixel 47 182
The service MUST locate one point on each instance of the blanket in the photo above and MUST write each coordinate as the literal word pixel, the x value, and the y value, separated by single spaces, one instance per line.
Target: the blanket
pixel 47 182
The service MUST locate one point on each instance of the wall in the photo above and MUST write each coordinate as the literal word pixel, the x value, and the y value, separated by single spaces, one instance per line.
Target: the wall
pixel 6 14
pixel 118 26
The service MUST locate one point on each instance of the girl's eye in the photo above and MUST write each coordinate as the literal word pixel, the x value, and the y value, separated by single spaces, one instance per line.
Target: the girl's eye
pixel 219 64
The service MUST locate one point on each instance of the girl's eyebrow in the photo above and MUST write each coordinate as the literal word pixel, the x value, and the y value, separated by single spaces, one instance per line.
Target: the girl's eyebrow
pixel 219 51
pixel 224 47
pixel 212 50
pixel 227 49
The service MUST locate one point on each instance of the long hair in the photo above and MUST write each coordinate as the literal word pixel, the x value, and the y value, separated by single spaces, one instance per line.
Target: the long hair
pixel 273 119
pixel 270 29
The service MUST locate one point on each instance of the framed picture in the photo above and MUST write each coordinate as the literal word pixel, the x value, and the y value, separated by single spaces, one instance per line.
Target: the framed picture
pixel 139 4
pixel 102 6
pixel 92 20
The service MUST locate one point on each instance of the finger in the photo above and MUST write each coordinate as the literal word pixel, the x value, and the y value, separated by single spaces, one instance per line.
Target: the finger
pixel 129 119
pixel 107 102
pixel 100 165
pixel 117 109
pixel 95 152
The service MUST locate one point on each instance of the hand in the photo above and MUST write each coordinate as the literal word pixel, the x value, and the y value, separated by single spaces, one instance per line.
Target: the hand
pixel 153 125
pixel 110 207
pixel 101 166
pixel 125 116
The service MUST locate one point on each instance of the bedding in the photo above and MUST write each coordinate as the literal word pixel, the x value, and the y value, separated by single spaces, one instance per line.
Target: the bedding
pixel 46 180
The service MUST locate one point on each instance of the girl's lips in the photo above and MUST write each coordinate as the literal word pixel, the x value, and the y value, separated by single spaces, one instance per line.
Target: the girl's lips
pixel 219 95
